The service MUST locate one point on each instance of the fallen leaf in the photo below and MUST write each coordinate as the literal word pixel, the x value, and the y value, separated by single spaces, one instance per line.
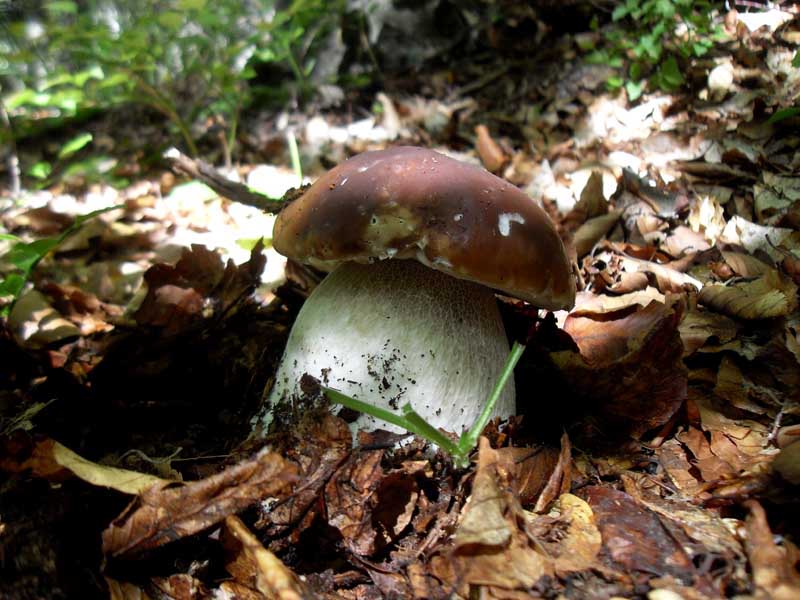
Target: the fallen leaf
pixel 579 541
pixel 774 568
pixel 489 548
pixel 629 367
pixel 350 497
pixel 256 568
pixel 592 231
pixel 166 513
pixel 492 155
pixel 35 323
pixel 771 295
pixel 53 461
pixel 634 537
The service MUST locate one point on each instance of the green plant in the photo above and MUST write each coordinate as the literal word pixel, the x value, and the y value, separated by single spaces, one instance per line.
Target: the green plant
pixel 657 35
pixel 187 59
pixel 24 256
pixel 411 421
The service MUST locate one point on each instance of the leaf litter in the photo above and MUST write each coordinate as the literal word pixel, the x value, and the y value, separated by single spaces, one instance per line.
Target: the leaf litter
pixel 656 452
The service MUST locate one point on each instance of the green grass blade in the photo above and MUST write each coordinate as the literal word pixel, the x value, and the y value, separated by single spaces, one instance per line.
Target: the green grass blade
pixel 470 437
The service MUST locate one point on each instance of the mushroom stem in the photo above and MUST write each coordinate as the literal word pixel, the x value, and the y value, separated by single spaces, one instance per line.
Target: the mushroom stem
pixel 397 332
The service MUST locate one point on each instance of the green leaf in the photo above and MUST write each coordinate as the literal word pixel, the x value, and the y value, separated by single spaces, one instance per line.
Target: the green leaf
pixel 41 170
pixel 634 89
pixel 12 285
pixel 63 7
pixel 615 82
pixel 670 74
pixel 75 144
pixel 170 19
pixel 784 113
pixel 796 60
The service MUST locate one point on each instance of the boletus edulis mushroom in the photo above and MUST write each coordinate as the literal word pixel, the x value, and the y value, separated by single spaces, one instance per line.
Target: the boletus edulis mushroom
pixel 416 244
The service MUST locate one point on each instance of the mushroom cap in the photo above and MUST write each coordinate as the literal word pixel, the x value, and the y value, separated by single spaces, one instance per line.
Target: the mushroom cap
pixel 409 202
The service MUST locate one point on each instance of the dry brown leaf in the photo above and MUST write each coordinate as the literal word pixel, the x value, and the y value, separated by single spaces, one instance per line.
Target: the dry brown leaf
pixel 699 326
pixel 672 457
pixel 634 537
pixel 120 590
pixel 774 568
pixel 592 231
pixel 53 461
pixel 579 541
pixel 629 366
pixel 746 265
pixel 490 549
pixel 771 295
pixel 163 514
pixel 258 569
pixel 593 303
pixel 350 497
pixel 180 294
pixel 529 469
pixel 483 521
pixel 318 447
pixel 492 155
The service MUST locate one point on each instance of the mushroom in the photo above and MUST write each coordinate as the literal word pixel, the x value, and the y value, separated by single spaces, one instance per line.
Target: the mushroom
pixel 415 243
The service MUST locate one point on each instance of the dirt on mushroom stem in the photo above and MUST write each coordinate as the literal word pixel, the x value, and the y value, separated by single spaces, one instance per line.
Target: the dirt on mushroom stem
pixel 396 332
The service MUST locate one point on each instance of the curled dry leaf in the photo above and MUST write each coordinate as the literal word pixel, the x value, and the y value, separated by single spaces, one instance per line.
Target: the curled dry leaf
pixel 35 323
pixel 197 284
pixel 255 568
pixel 492 155
pixel 578 542
pixel 165 513
pixel 629 365
pixel 559 481
pixel 350 497
pixel 700 326
pixel 771 295
pixel 774 567
pixel 592 231
pixel 53 461
pixel 489 548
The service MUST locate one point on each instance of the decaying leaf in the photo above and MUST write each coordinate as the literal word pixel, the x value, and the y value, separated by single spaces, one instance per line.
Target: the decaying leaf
pixel 629 366
pixel 196 286
pixel 165 513
pixel 257 569
pixel 774 568
pixel 579 540
pixel 350 496
pixel 768 296
pixel 51 460
pixel 634 537
pixel 489 547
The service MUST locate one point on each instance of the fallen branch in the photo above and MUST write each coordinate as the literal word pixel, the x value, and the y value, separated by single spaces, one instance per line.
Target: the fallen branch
pixel 238 192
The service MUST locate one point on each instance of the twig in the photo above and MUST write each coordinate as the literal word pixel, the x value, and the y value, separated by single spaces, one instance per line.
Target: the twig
pixel 232 190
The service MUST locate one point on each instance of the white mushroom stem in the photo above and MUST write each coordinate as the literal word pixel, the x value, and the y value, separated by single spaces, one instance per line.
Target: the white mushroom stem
pixel 397 332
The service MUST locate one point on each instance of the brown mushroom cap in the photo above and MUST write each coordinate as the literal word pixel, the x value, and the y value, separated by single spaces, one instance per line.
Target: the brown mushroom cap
pixel 408 202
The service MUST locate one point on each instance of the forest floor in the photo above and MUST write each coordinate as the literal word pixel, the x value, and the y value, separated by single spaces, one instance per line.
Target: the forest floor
pixel 657 450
